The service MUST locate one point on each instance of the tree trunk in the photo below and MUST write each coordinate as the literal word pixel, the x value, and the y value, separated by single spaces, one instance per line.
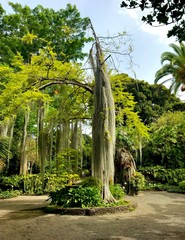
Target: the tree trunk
pixel 140 153
pixel 41 141
pixel 75 144
pixel 50 148
pixel 23 158
pixel 62 140
pixel 4 126
pixel 10 144
pixel 103 132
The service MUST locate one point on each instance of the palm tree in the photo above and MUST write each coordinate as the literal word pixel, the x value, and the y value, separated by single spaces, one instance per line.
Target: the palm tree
pixel 175 68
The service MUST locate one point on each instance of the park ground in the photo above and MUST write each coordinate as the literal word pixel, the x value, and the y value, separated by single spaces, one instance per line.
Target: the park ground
pixel 158 216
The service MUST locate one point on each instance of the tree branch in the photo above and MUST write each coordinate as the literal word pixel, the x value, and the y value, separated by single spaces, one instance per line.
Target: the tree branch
pixel 54 81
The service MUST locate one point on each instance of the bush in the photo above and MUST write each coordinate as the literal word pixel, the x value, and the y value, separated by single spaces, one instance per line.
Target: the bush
pixel 32 184
pixel 136 183
pixel 9 194
pixel 77 197
pixel 182 185
pixel 117 191
pixel 159 174
pixel 175 176
pixel 155 173
pixel 54 182
pixel 11 183
pixel 155 186
pixel 91 182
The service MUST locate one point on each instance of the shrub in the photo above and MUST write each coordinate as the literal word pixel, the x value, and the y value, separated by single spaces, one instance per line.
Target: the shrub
pixel 32 184
pixel 136 183
pixel 159 174
pixel 9 194
pixel 91 182
pixel 155 186
pixel 12 182
pixel 117 191
pixel 77 197
pixel 175 176
pixel 182 185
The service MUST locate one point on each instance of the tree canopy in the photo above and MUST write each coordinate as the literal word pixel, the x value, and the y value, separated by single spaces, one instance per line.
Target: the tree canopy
pixel 166 145
pixel 152 100
pixel 163 12
pixel 28 30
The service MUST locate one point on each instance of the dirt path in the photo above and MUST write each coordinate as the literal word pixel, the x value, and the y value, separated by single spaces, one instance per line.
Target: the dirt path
pixel 159 216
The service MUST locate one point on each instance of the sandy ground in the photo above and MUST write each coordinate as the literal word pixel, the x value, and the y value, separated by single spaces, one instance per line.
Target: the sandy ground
pixel 159 215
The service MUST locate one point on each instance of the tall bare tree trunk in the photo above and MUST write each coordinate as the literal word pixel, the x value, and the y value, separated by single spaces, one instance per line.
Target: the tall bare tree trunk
pixel 75 144
pixel 23 158
pixel 41 141
pixel 62 139
pixel 50 148
pixel 10 143
pixel 4 126
pixel 6 130
pixel 103 133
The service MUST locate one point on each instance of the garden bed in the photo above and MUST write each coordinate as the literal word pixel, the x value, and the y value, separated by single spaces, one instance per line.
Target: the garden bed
pixel 90 211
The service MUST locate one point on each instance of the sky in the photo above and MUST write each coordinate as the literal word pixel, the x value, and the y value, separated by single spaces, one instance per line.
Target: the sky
pixel 109 19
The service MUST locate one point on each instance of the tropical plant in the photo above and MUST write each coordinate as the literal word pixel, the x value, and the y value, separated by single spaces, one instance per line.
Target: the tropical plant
pixel 4 143
pixel 174 68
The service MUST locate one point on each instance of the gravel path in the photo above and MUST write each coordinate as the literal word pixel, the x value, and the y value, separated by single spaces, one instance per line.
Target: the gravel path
pixel 159 216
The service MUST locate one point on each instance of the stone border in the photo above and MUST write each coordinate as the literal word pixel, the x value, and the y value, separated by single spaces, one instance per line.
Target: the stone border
pixel 89 211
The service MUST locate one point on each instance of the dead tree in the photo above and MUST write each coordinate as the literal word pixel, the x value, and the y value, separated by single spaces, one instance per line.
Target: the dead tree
pixel 103 132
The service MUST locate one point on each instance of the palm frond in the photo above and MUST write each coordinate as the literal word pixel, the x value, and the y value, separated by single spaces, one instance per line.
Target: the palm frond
pixel 175 67
pixel 4 147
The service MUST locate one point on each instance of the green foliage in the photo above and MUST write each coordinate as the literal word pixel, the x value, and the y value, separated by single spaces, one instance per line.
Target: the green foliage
pixel 77 197
pixel 67 160
pixel 155 186
pixel 32 184
pixel 167 141
pixel 173 67
pixel 129 127
pixel 174 189
pixel 155 174
pixel 163 12
pixel 4 146
pixel 12 182
pixel 158 174
pixel 182 186
pixel 91 182
pixel 9 194
pixel 138 181
pixel 152 100
pixel 54 182
pixel 117 191
pixel 27 30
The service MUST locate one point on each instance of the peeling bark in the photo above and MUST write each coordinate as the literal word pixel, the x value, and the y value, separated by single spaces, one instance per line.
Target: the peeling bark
pixel 103 133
